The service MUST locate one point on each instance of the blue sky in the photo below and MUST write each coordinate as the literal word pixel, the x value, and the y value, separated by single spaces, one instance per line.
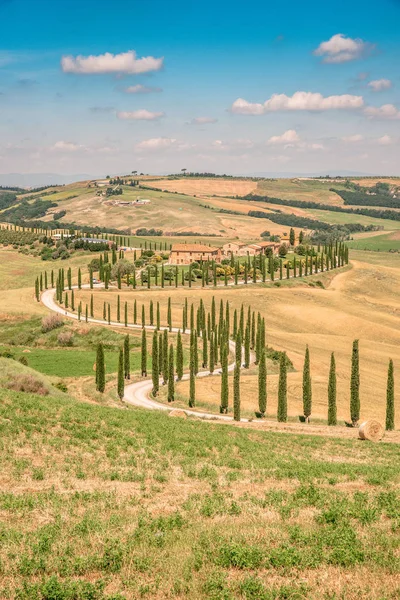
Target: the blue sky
pixel 104 87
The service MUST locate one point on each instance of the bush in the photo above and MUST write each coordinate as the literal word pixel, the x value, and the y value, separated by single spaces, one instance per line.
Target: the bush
pixel 23 360
pixel 51 322
pixel 65 338
pixel 61 386
pixel 28 384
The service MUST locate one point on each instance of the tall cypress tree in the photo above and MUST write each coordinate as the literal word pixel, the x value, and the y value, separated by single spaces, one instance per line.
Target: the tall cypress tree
pixel 307 388
pixel 179 356
pixel 205 350
pixel 169 315
pixel 118 308
pixel 160 354
pixel 195 353
pixel 236 393
pixel 127 357
pixel 143 355
pixel 262 384
pixel 390 398
pixel 158 321
pixel 151 315
pixel 192 378
pixel 72 299
pixel 247 346
pixel 224 381
pixel 171 380
pixel 165 356
pixel 79 279
pixel 155 375
pixel 282 389
pixel 143 316
pixel 212 357
pixel 355 384
pixel 332 410
pixel 100 369
pixel 91 306
pixel 121 383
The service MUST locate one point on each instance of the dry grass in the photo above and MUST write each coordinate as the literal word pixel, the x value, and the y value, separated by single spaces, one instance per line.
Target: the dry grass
pixel 203 187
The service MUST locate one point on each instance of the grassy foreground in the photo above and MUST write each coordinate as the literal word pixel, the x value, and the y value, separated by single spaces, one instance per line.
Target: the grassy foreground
pixel 107 503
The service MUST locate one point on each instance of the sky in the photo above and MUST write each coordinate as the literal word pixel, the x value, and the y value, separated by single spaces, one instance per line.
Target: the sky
pixel 99 87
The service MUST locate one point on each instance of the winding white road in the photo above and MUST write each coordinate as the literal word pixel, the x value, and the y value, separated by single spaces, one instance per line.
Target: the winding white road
pixel 138 393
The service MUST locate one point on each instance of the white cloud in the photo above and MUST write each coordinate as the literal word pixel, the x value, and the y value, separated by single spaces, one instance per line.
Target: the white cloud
pixel 126 62
pixel 156 144
pixel 289 137
pixel 203 120
pixel 142 89
pixel 357 137
pixel 378 85
pixel 385 140
pixel 140 115
pixel 242 107
pixel 386 111
pixel 63 146
pixel 340 49
pixel 299 101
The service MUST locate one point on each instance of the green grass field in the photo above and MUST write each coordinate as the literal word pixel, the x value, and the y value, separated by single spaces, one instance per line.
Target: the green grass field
pixel 103 503
pixel 337 218
pixel 378 243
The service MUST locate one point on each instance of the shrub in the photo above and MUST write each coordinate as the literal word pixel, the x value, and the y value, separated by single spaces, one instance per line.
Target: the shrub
pixel 65 338
pixel 61 386
pixel 241 556
pixel 28 384
pixel 51 322
pixel 23 360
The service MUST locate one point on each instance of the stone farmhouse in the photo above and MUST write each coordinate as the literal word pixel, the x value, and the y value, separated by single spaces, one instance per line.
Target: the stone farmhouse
pixel 241 249
pixel 184 254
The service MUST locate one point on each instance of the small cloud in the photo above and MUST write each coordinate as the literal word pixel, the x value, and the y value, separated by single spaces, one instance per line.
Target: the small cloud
pixel 351 139
pixel 140 115
pixel 378 85
pixel 156 144
pixel 125 62
pixel 299 101
pixel 289 137
pixel 203 121
pixel 63 146
pixel 385 140
pixel 142 89
pixel 386 111
pixel 340 49
pixel 101 109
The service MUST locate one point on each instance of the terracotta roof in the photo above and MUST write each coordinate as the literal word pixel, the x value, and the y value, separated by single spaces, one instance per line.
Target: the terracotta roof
pixel 192 248
pixel 267 244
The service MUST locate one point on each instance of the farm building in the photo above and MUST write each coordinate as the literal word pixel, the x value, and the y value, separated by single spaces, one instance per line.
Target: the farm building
pixel 241 249
pixel 184 254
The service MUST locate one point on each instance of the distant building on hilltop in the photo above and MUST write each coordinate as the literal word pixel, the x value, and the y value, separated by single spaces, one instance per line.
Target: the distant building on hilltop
pixel 184 254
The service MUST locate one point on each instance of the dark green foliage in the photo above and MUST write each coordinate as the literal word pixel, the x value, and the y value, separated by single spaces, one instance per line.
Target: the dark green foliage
pixel 100 369
pixel 192 376
pixel 155 375
pixel 144 354
pixel 236 393
pixel 165 370
pixel 179 356
pixel 262 384
pixel 307 388
pixel 390 398
pixel 171 378
pixel 127 359
pixel 224 381
pixel 355 384
pixel 332 410
pixel 282 390
pixel 121 383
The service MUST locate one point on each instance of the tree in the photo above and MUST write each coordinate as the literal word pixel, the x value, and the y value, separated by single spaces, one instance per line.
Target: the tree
pixel 127 358
pixel 144 354
pixel 212 357
pixel 79 279
pixel 262 384
pixel 171 380
pixel 121 384
pixel 236 393
pixel 307 389
pixel 282 253
pixel 390 398
pixel 100 369
pixel 165 370
pixel 192 377
pixel 224 381
pixel 332 411
pixel 205 349
pixel 292 237
pixel 247 346
pixel 155 375
pixel 282 389
pixel 355 385
pixel 179 356
pixel 301 237
pixel 169 315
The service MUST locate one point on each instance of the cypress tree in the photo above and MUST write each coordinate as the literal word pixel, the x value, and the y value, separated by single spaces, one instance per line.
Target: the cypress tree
pixel 41 282
pixel 100 369
pixel 247 346
pixel 91 306
pixel 69 278
pixel 158 320
pixel 126 314
pixel 72 299
pixel 307 389
pixel 332 411
pixel 37 291
pixel 171 380
pixel 121 383
pixel 165 356
pixel 127 357
pixel 79 310
pixel 390 398
pixel 91 278
pixel 169 315
pixel 205 349
pixel 160 354
pixel 144 354
pixel 151 313
pixel 185 316
pixel 118 309
pixel 109 313
pixel 355 385
pixel 195 353
pixel 79 279
pixel 262 384
pixel 253 331
pixel 282 389
pixel 213 320
pixel 241 322
pixel 235 325
pixel 238 349
pixel 143 316
pixel 224 381
pixel 192 378
pixel 86 313
pixel 236 393
pixel 179 356
pixel 155 375
pixel 212 357
pixel 191 317
pixel 45 280
pixel 52 278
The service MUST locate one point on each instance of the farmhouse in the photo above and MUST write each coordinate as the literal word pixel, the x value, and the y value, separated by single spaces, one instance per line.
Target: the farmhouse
pixel 184 254
pixel 241 249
